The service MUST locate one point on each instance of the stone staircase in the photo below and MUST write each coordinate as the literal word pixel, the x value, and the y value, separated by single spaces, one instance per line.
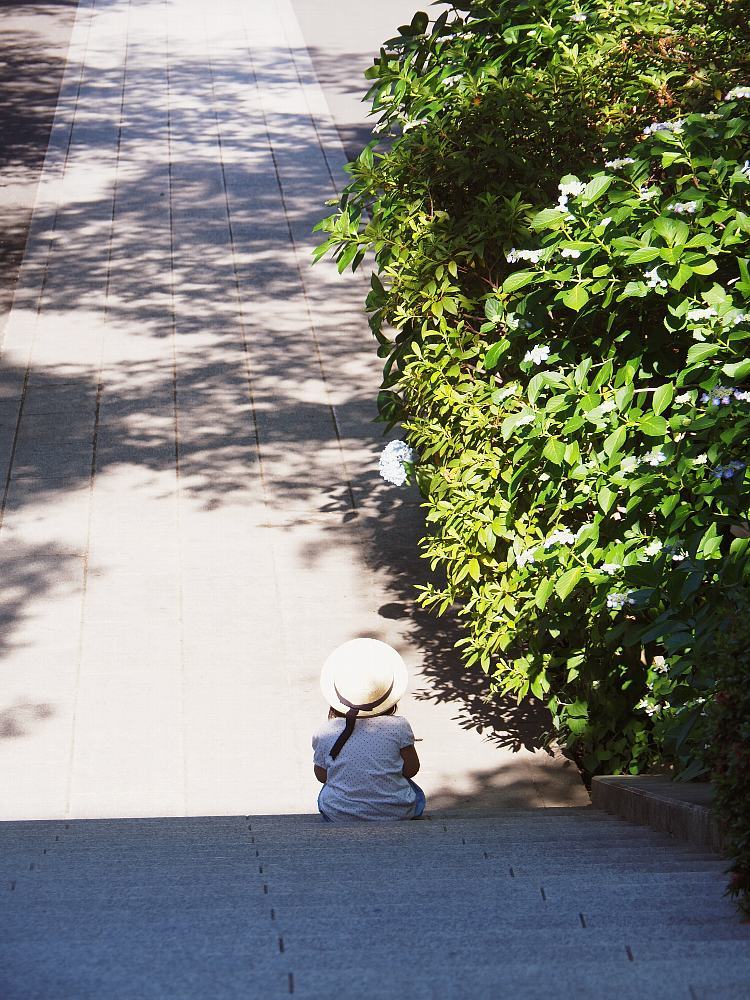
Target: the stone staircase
pixel 568 903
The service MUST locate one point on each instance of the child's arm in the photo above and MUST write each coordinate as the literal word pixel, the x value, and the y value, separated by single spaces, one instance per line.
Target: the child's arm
pixel 321 774
pixel 411 761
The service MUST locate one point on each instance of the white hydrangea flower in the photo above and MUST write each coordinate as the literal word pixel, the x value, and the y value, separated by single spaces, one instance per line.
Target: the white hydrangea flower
pixel 579 18
pixel 696 315
pixel 619 162
pixel 572 254
pixel 393 459
pixel 513 256
pixel 537 354
pixel 610 568
pixel 738 93
pixel 528 556
pixel 654 278
pixel 559 537
pixel 570 189
pixel 647 193
pixel 684 397
pixel 653 548
pixel 655 457
pixel 700 460
pixel 629 463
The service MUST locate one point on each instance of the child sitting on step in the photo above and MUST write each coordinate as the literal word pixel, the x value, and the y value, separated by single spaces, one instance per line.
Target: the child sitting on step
pixel 364 755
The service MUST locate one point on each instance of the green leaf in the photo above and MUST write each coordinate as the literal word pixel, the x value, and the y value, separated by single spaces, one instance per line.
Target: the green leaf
pixel 493 310
pixel 672 230
pixel 644 255
pixel 518 279
pixel 683 274
pixel 554 450
pixel 494 354
pixel 738 369
pixel 615 441
pixel 576 298
pixel 663 397
pixel 699 353
pixel 548 218
pixel 709 267
pixel 606 499
pixel 653 425
pixel 474 569
pixel 544 592
pixel 568 581
pixel 595 189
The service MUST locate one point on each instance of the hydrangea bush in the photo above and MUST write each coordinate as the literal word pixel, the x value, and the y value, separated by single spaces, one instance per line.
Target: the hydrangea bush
pixel 549 330
pixel 606 466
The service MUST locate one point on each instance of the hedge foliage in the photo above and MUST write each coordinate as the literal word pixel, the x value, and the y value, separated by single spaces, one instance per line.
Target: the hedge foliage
pixel 572 375
pixel 729 734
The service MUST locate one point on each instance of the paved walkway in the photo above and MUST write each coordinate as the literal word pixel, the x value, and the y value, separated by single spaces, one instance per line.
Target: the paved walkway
pixel 192 516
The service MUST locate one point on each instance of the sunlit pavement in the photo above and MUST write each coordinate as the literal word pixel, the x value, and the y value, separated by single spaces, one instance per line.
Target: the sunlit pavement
pixel 191 520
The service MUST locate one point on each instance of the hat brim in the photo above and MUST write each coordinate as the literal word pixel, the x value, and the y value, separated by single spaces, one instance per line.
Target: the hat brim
pixel 400 684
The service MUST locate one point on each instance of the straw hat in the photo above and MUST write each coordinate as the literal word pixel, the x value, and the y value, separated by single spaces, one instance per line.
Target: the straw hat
pixel 363 674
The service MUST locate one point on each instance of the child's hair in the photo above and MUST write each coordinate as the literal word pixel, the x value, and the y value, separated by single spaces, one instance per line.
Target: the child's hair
pixel 333 714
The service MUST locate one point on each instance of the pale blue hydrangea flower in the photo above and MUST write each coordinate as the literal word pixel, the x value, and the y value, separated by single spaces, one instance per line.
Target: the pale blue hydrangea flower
pixel 393 461
pixel 616 602
pixel 683 207
pixel 676 126
pixel 728 471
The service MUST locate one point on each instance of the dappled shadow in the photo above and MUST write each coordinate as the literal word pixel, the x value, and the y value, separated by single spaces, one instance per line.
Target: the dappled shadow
pixel 33 41
pixel 180 330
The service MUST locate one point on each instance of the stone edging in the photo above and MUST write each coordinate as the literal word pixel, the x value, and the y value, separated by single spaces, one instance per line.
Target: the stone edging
pixel 682 810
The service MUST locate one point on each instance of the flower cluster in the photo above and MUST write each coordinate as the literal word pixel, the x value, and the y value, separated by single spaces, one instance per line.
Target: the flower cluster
pixel 578 18
pixel 533 256
pixel 647 193
pixel 560 537
pixel 738 93
pixel 683 207
pixel 696 315
pixel 569 189
pixel 393 462
pixel 610 568
pixel 537 354
pixel 616 602
pixel 728 471
pixel 619 162
pixel 570 254
pixel 722 395
pixel 655 280
pixel 676 126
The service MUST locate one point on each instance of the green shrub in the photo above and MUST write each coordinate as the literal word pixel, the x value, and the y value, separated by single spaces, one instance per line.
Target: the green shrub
pixel 541 400
pixel 730 741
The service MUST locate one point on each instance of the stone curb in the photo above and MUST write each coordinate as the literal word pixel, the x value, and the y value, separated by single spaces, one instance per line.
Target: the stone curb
pixel 684 811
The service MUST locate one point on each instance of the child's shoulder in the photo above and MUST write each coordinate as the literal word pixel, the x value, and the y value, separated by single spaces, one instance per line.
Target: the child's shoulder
pixel 328 728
